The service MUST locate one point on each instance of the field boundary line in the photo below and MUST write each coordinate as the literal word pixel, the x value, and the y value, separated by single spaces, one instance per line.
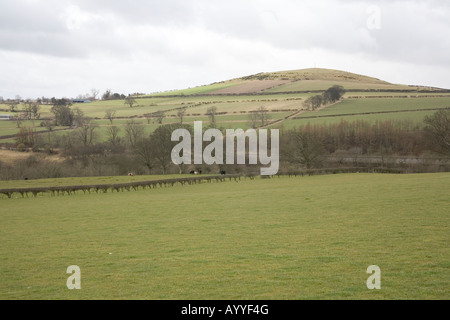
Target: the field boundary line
pixel 368 113
pixel 130 186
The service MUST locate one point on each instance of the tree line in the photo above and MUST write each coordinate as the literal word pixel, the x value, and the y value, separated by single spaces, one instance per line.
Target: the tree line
pixel 129 149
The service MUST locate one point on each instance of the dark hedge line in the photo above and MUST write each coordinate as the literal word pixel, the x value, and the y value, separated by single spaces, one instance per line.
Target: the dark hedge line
pixel 130 186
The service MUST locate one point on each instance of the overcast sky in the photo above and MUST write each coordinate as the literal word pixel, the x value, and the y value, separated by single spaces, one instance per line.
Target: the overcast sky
pixel 64 48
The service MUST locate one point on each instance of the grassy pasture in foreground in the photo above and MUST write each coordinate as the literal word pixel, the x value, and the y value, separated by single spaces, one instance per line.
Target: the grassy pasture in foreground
pixel 280 238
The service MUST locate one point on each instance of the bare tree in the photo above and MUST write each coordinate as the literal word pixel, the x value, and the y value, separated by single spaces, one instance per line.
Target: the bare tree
pixel 113 135
pixel 301 147
pixel 144 151
pixel 181 113
pixel 148 117
pixel 26 136
pixel 438 131
pixel 259 117
pixel 78 117
pixel 27 110
pixel 86 132
pixel 162 145
pixel 18 118
pixel 263 115
pixel 31 110
pixel 211 112
pixel 110 114
pixel 35 108
pixel 94 93
pixel 134 131
pixel 12 105
pixel 160 115
pixel 253 117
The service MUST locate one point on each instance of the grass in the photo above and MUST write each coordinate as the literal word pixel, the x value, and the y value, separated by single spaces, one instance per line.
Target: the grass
pixel 284 101
pixel 10 127
pixel 415 118
pixel 410 109
pixel 283 238
pixel 200 89
pixel 380 105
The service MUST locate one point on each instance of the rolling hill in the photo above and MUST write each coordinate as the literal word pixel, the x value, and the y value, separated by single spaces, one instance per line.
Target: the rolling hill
pixel 298 81
pixel 281 93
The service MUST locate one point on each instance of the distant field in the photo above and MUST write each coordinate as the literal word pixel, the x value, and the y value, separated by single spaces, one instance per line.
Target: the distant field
pixel 414 117
pixel 237 110
pixel 403 95
pixel 359 109
pixel 10 127
pixel 381 104
pixel 281 238
pixel 281 93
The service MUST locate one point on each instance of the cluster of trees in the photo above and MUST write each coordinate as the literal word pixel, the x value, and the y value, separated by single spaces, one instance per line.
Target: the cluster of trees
pixel 63 114
pixel 129 148
pixel 437 130
pixel 309 145
pixel 108 95
pixel 331 95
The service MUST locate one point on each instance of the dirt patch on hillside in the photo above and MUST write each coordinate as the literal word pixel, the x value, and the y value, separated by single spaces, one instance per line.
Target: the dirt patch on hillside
pixel 254 86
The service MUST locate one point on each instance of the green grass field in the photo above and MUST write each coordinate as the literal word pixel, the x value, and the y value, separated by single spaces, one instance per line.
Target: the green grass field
pixel 394 109
pixel 415 118
pixel 280 238
pixel 382 105
pixel 237 108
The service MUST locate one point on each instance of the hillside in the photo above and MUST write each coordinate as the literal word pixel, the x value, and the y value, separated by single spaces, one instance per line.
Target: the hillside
pixel 281 93
pixel 297 81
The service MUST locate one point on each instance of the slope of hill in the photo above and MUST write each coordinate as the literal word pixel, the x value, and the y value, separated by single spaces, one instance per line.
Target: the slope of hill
pixel 281 93
pixel 304 80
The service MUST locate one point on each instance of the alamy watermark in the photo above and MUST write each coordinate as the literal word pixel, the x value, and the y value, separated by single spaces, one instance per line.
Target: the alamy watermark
pixel 230 149
pixel 74 281
pixel 373 21
pixel 374 281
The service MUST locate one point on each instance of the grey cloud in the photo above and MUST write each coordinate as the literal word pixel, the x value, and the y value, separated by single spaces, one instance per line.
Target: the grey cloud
pixel 407 26
pixel 201 34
